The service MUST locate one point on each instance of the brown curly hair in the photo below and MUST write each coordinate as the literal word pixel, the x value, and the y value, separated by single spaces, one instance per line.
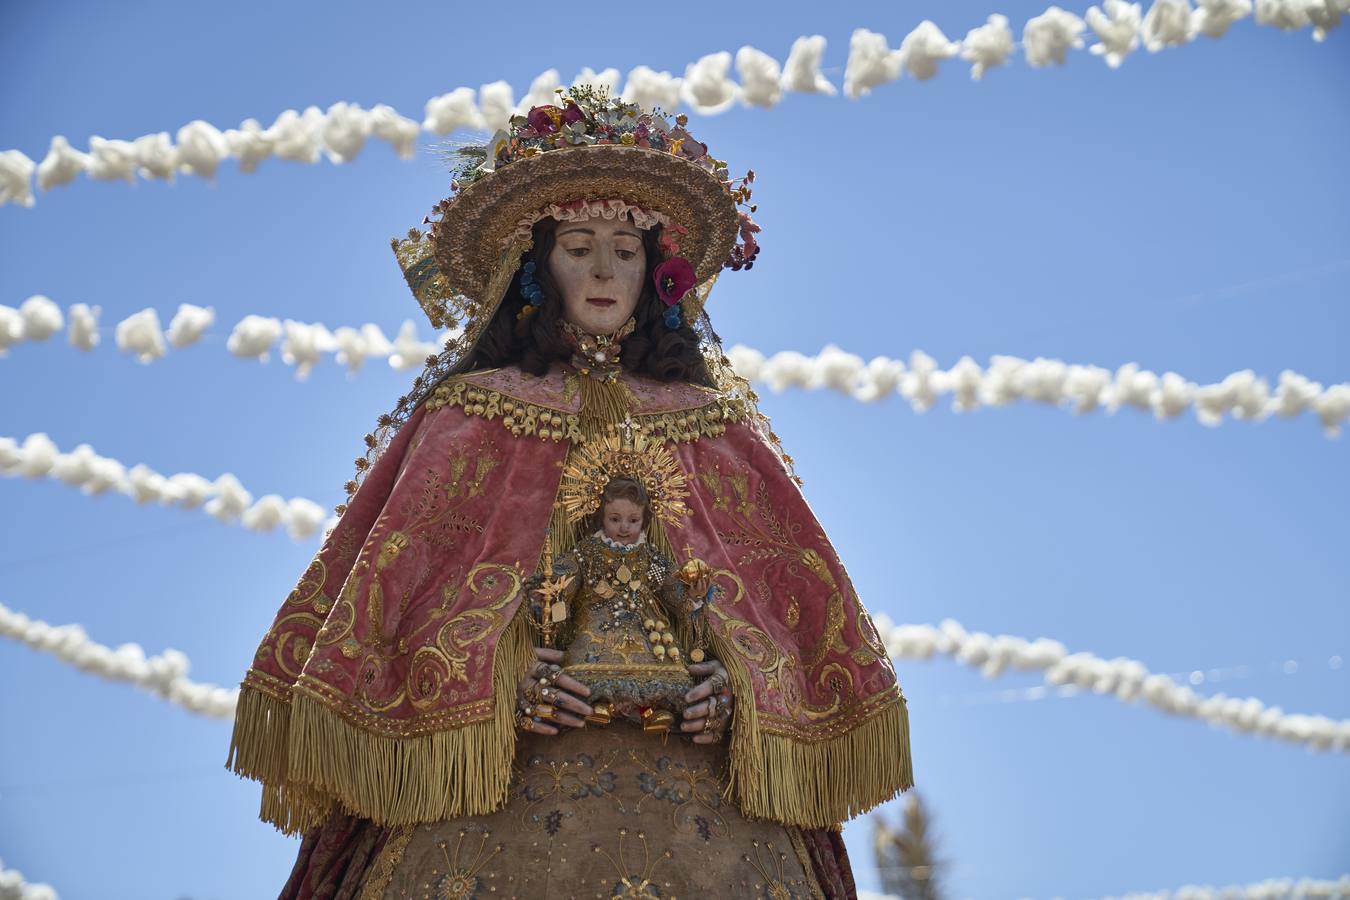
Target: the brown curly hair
pixel 535 343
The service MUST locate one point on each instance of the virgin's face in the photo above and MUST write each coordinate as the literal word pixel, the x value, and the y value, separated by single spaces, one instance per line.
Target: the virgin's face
pixel 599 266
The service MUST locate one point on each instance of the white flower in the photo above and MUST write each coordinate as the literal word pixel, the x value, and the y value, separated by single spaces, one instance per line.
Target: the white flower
pixel 201 147
pixel 651 90
pixel 61 164
pixel 801 72
pixel 987 45
pixel 452 111
pixel 706 88
pixel 760 77
pixel 1048 37
pixel 345 129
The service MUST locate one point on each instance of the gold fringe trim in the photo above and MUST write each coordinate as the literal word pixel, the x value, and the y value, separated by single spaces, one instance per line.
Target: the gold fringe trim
pixel 815 784
pixel 309 757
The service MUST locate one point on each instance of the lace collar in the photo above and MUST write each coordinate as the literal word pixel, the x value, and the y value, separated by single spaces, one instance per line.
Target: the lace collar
pixel 616 546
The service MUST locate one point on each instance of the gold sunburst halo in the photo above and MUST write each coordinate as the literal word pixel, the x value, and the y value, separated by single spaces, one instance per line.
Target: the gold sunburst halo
pixel 594 464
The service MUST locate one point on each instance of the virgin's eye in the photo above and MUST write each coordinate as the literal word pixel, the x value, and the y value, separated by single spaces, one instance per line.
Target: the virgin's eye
pixel 579 251
pixel 627 254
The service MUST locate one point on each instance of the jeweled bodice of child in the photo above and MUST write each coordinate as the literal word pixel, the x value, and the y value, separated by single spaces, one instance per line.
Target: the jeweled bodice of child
pixel 624 612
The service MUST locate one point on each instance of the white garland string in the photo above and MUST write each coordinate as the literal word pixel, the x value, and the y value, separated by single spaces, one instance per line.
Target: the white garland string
pixel 1126 679
pixel 1079 388
pixel 1006 380
pixel 303 344
pixel 1270 889
pixel 164 675
pixel 340 133
pixel 224 498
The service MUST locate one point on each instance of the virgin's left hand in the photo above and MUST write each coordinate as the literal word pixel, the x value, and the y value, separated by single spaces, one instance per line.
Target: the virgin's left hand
pixel 712 693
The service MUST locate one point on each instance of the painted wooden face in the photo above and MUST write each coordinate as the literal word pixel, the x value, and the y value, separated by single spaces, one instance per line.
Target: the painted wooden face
pixel 599 266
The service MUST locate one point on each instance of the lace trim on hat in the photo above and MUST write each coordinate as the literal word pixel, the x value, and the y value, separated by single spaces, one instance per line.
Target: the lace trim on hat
pixel 581 210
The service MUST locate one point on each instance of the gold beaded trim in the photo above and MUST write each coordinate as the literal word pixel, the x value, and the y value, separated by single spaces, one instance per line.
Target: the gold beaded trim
pixel 524 418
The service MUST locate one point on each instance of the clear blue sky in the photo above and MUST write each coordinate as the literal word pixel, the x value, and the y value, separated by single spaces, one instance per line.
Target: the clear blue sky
pixel 1190 211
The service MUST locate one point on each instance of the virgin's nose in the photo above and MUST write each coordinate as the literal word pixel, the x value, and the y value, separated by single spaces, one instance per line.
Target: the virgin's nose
pixel 604 266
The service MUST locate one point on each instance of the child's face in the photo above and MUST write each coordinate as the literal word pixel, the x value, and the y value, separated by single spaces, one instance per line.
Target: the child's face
pixel 622 521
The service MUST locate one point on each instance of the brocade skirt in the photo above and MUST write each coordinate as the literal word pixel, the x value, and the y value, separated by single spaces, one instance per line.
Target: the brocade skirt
pixel 593 812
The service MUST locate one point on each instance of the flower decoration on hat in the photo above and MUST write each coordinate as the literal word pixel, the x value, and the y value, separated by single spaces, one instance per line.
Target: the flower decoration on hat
pixel 585 117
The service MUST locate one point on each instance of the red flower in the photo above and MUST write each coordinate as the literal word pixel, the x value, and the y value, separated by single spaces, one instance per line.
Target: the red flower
pixel 572 113
pixel 673 278
pixel 544 119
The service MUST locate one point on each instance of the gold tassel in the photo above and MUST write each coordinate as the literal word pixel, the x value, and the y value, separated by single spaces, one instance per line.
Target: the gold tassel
pixel 308 756
pixel 604 404
pixel 817 784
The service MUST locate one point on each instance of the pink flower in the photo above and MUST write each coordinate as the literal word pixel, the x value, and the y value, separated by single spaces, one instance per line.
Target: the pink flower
pixel 673 278
pixel 544 119
pixel 572 113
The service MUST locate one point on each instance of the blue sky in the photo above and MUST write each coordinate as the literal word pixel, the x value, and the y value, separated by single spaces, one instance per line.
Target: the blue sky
pixel 1187 212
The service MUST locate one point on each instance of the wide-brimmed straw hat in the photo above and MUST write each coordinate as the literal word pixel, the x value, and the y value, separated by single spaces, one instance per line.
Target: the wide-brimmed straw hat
pixel 589 148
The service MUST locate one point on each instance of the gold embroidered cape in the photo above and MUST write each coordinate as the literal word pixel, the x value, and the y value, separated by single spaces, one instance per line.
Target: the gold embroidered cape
pixel 387 682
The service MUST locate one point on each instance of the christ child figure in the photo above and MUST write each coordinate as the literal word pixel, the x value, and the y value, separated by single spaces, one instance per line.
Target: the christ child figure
pixel 624 616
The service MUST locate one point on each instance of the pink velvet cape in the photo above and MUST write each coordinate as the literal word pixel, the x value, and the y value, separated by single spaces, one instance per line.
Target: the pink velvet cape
pixel 386 683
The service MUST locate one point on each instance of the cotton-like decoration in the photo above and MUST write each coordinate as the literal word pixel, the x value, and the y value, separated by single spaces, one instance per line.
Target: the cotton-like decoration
pixel 1286 15
pixel 1049 37
pixel 189 323
pixel 112 160
pixel 296 136
pixel 606 80
pixel 305 345
pixel 1326 15
pixel 253 337
pixel 61 164
pixel 987 45
pixel 41 318
pixel 156 156
pixel 870 63
pixel 354 346
pixel 303 518
pixel 14 887
pixel 801 72
pixel 652 90
pixel 164 675
pixel 16 178
pixel 497 102
pixel 250 144
pixel 1081 389
pixel 398 131
pixel 1212 18
pixel 266 514
pixel 1167 24
pixel 706 88
pixel 33 458
pixel 140 334
pixel 229 499
pixel 409 352
pixel 760 77
pixel 923 48
pixel 1127 679
pixel 542 91
pixel 1117 30
pixel 345 129
pixel 452 111
pixel 83 333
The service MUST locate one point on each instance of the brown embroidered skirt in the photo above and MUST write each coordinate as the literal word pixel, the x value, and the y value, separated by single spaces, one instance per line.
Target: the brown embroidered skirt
pixel 596 812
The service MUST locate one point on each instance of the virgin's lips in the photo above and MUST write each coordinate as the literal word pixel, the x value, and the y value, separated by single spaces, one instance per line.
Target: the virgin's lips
pixel 601 301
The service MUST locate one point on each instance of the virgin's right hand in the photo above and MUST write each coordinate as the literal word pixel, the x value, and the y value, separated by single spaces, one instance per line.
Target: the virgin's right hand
pixel 564 694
